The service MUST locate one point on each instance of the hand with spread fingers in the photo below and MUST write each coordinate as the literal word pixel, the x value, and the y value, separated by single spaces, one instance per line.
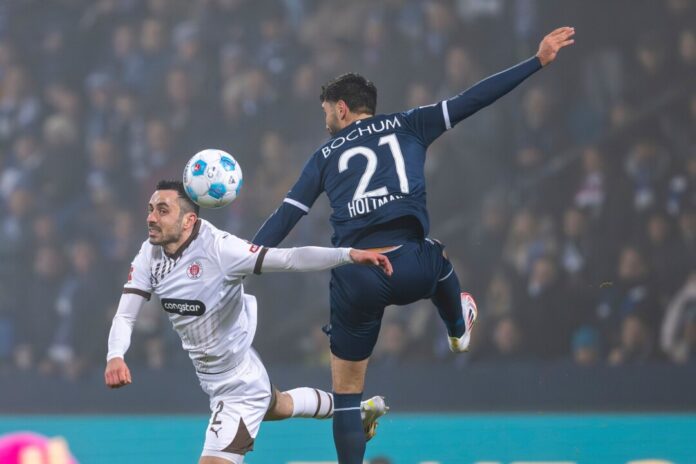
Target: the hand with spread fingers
pixel 117 374
pixel 553 42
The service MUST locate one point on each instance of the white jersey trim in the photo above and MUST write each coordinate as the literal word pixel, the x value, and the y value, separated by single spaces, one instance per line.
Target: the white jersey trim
pixel 448 274
pixel 445 114
pixel 297 204
pixel 347 409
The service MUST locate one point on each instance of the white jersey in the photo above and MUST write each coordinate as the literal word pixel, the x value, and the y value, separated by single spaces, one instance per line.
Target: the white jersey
pixel 200 287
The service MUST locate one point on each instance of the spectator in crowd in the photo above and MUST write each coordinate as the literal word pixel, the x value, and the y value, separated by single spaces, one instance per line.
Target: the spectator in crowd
pixel 541 306
pixel 126 63
pixel 127 132
pixel 156 58
pixel 585 346
pixel 486 242
pixel 37 317
pixel 678 334
pixel 508 342
pixel 528 239
pixel 632 295
pixel 575 254
pixel 665 256
pixel 26 164
pixel 99 88
pixel 646 167
pixel 15 253
pixel 681 191
pixel 81 316
pixel 687 235
pixel 591 190
pixel 635 344
pixel 20 108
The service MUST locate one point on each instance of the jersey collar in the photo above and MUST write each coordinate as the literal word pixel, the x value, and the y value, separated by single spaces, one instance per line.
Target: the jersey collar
pixel 353 125
pixel 192 237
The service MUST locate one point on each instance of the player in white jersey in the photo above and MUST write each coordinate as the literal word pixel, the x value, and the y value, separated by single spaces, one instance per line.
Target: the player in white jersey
pixel 197 270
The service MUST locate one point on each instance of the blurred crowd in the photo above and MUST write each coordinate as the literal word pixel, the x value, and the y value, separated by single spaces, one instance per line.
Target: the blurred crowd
pixel 568 207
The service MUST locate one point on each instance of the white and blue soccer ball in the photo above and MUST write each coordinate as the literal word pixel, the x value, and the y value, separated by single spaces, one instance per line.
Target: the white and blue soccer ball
pixel 212 178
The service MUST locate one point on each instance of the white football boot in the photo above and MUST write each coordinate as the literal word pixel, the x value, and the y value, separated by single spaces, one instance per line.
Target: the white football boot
pixel 469 311
pixel 371 410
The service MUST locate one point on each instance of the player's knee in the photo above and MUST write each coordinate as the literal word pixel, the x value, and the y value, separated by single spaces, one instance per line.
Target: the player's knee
pixel 281 407
pixel 348 376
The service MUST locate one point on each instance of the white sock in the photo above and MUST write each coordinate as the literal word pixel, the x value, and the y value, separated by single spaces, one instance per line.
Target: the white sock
pixel 311 402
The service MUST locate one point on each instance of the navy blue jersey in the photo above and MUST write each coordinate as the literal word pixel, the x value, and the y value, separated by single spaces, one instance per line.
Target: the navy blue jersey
pixel 372 170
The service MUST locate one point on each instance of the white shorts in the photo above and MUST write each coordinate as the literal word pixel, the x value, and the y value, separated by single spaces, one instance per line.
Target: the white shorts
pixel 239 400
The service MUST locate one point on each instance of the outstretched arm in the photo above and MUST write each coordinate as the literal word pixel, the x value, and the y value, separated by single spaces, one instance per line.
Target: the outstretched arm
pixel 431 121
pixel 238 258
pixel 317 259
pixel 492 88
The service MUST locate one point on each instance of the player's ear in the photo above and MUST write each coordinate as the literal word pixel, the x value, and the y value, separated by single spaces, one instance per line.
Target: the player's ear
pixel 190 219
pixel 342 109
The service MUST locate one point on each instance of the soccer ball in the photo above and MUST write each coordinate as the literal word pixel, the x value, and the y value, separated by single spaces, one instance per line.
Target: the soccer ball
pixel 212 178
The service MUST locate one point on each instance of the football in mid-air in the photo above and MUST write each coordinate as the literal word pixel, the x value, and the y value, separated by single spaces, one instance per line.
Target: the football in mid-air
pixel 212 178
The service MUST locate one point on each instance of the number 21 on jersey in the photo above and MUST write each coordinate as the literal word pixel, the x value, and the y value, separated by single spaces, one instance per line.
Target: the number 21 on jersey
pixel 371 156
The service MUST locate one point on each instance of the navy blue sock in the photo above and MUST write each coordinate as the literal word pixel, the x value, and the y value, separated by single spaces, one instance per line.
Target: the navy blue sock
pixel 448 300
pixel 348 434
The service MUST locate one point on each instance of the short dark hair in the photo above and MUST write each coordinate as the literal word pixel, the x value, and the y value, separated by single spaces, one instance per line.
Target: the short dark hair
pixel 359 94
pixel 188 206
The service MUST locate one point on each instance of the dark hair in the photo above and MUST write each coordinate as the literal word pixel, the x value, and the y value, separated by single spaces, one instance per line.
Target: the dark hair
pixel 187 205
pixel 359 94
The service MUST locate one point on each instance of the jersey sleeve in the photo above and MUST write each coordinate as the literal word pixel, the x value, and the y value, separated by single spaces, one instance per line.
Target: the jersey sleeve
pixel 238 257
pixel 302 259
pixel 429 122
pixel 308 187
pixel 122 326
pixel 278 225
pixel 296 204
pixel 139 274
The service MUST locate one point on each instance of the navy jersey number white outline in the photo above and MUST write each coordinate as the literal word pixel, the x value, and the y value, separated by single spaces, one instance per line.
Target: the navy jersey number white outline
pixel 371 167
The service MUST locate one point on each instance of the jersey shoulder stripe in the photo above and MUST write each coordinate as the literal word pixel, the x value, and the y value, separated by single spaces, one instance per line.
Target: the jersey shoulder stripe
pixel 297 204
pixel 445 115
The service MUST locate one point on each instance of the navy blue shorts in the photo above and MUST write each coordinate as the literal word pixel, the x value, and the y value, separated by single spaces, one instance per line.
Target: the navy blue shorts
pixel 359 294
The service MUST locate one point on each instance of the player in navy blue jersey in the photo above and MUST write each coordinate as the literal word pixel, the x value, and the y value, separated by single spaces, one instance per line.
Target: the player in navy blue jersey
pixel 372 171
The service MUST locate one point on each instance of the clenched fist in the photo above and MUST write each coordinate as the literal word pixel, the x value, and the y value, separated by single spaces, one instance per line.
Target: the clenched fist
pixel 117 373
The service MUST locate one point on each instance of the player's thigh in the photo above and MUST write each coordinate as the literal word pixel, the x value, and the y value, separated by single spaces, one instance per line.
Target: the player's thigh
pixel 358 297
pixel 229 458
pixel 239 400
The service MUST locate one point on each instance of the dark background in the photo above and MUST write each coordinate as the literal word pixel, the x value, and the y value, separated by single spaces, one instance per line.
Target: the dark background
pixel 568 207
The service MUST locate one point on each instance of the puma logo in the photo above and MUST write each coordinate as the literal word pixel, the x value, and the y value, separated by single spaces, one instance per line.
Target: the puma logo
pixel 212 429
